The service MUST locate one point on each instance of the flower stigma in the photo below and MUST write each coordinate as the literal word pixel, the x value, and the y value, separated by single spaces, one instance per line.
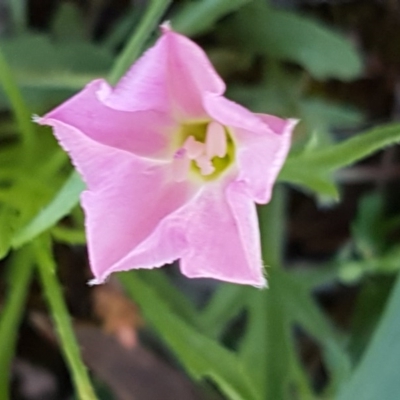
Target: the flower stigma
pixel 206 150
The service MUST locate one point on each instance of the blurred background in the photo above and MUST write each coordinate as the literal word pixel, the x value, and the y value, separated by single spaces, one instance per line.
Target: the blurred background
pixel 327 327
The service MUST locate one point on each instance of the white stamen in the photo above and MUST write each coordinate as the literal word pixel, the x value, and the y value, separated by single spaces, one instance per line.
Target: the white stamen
pixel 216 142
pixel 180 165
pixel 205 165
pixel 193 147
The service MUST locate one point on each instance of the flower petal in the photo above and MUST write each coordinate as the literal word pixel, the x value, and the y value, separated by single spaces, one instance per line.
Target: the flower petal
pixel 128 198
pixel 262 143
pixel 222 235
pixel 260 157
pixel 231 114
pixel 172 76
pixel 143 132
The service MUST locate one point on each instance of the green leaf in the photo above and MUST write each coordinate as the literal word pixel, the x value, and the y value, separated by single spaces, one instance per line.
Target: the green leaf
pixel 321 113
pixel 11 313
pixel 176 300
pixel 7 217
pixel 369 307
pixel 224 305
pixel 312 169
pixel 313 181
pixel 48 71
pixel 347 152
pixel 135 44
pixel 201 356
pixel 61 319
pixel 300 308
pixel 69 235
pixel 266 345
pixel 283 35
pixel 377 375
pixel 197 17
pixel 58 208
pixel 367 229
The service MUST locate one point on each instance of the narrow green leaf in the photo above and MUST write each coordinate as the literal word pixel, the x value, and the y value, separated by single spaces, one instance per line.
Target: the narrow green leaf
pixel 58 208
pixel 202 357
pixel 61 318
pixel 11 314
pixel 377 375
pixel 134 47
pixel 347 152
pixel 312 169
pixel 225 304
pixel 265 349
pixel 121 30
pixel 284 35
pixel 176 300
pixel 69 235
pixel 313 181
pixel 367 228
pixel 7 216
pixel 199 16
pixel 272 230
pixel 300 308
pixel 369 307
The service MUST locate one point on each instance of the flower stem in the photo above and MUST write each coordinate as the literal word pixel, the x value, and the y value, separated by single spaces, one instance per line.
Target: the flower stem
pixel 272 218
pixel 58 308
pixel 135 44
pixel 20 270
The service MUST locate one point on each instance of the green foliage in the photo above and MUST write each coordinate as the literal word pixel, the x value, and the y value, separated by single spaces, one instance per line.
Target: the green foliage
pixel 283 35
pixel 20 272
pixel 59 207
pixel 197 17
pixel 49 71
pixel 61 319
pixel 312 169
pixel 377 374
pixel 201 356
pixel 260 359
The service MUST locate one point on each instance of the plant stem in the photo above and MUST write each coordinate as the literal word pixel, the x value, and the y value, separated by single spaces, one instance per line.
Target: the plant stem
pixel 271 219
pixel 11 314
pixel 135 44
pixel 61 317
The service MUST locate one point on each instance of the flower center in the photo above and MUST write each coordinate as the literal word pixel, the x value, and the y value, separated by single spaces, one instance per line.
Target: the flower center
pixel 206 149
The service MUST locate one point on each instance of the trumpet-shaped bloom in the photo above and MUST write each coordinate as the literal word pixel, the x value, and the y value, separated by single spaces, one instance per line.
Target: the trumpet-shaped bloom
pixel 172 167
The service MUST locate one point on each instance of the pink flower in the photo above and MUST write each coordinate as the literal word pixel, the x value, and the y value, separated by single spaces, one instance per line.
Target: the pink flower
pixel 172 167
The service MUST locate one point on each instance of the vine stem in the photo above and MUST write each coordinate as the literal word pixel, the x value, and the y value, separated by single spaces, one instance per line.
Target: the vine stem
pixel 61 318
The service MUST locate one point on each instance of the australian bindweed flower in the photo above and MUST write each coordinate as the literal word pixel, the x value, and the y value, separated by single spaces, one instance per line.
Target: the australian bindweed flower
pixel 173 169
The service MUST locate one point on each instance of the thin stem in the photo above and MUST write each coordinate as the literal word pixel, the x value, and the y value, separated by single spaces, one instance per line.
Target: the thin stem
pixel 58 308
pixel 271 219
pixel 11 314
pixel 134 47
